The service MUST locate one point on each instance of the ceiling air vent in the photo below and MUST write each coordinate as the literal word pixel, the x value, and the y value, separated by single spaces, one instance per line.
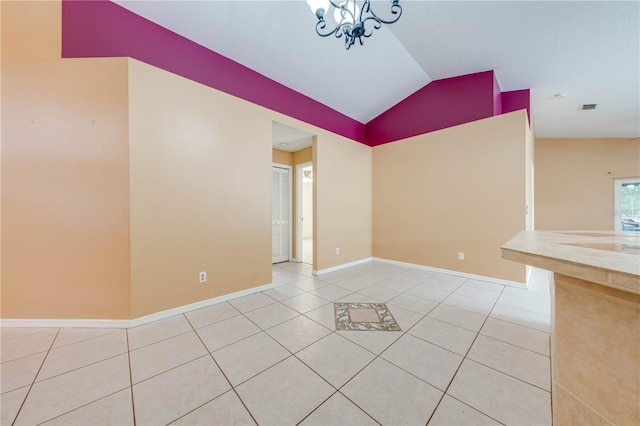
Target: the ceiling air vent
pixel 588 107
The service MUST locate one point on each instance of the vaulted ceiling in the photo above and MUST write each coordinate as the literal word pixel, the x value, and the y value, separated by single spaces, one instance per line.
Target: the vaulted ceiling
pixel 585 51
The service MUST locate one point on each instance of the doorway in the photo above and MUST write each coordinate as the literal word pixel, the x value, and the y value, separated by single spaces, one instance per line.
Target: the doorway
pixel 304 210
pixel 281 214
pixel 626 209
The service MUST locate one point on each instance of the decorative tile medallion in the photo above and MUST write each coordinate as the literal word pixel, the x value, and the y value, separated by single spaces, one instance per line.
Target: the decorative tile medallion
pixel 364 317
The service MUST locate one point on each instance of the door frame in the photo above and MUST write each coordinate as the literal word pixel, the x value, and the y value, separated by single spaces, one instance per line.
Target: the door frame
pixel 288 167
pixel 299 225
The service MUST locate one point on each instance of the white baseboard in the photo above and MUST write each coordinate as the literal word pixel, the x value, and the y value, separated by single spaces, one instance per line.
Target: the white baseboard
pixel 344 265
pixel 101 323
pixel 197 305
pixel 451 272
pixel 105 323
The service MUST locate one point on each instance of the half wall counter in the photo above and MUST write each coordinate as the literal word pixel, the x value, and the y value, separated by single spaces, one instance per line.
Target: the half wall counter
pixel 595 321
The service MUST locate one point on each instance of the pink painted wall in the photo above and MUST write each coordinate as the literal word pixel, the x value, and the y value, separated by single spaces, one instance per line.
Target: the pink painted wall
pixel 103 29
pixel 516 100
pixel 100 28
pixel 440 104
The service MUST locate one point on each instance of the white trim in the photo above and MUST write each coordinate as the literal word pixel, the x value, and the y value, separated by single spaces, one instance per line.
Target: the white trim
pixel 299 224
pixel 450 272
pixel 99 323
pixel 57 323
pixel 197 305
pixel 344 265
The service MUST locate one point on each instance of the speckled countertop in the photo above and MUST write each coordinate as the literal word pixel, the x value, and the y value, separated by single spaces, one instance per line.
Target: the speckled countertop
pixel 603 257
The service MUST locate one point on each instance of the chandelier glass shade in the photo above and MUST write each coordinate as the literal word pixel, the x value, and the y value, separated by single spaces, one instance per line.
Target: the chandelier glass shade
pixel 352 19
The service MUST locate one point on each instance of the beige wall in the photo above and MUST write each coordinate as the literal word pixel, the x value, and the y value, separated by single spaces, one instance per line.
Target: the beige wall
pixel 191 208
pixel 120 182
pixel 574 181
pixel 307 210
pixel 303 156
pixel 65 174
pixel 0 159
pixel 282 157
pixel 460 189
pixel 529 171
pixel 342 201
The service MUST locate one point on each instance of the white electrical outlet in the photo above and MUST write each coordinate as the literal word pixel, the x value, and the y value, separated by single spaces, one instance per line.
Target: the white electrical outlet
pixel 203 277
pixel 460 255
pixel 337 250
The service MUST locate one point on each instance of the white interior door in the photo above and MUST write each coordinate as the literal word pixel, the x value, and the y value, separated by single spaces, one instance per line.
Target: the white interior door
pixel 281 212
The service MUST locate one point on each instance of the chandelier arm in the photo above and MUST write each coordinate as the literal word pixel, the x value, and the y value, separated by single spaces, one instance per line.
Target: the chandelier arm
pixel 321 25
pixel 376 26
pixel 344 10
pixel 396 9
pixel 366 7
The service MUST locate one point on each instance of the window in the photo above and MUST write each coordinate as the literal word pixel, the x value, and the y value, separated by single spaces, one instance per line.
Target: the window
pixel 627 204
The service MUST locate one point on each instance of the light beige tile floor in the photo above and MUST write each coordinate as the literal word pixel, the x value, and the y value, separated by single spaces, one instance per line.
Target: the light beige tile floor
pixel 470 352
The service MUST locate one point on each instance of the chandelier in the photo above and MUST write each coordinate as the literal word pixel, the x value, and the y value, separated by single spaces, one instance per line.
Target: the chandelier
pixel 353 21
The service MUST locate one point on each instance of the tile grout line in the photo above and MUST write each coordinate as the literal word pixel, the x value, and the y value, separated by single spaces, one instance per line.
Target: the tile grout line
pixel 78 368
pixel 508 375
pixel 223 375
pixel 133 402
pixel 426 315
pixel 25 335
pixel 170 369
pixel 513 344
pixel 112 331
pixel 13 422
pixel 72 370
pixel 463 359
pixel 376 356
pixel 305 364
pixel 492 368
pixel 158 341
pixel 477 333
pixel 475 409
pixel 521 325
pixel 300 314
pixel 344 384
pixel 83 405
pixel 331 396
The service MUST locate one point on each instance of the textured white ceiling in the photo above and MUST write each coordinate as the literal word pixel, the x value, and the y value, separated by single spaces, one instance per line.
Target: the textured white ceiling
pixel 588 50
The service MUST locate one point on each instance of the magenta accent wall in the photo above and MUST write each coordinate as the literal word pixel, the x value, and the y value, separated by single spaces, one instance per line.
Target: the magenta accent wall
pixel 101 28
pixel 516 100
pixel 438 105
